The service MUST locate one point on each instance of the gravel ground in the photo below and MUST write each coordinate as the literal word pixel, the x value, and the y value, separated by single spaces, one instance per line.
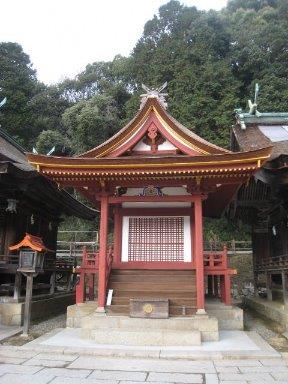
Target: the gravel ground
pixel 271 331
pixel 37 329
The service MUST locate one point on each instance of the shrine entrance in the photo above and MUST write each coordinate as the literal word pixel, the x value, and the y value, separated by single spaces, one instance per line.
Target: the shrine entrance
pixel 156 239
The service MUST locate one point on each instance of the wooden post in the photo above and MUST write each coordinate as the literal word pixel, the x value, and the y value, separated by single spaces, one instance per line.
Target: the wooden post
pixel 199 263
pixel 222 288
pixel 102 253
pixel 91 286
pixel 210 285
pixel 256 293
pixel 215 286
pixel 28 304
pixel 80 289
pixel 284 287
pixel 70 280
pixel 227 287
pixel 17 286
pixel 269 286
pixel 52 283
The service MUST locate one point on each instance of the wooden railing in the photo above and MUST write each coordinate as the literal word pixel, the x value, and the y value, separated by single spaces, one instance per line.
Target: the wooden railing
pixel 272 262
pixel 215 259
pixel 88 271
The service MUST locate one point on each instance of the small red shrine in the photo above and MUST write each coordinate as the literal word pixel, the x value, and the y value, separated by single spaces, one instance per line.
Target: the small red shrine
pixel 156 179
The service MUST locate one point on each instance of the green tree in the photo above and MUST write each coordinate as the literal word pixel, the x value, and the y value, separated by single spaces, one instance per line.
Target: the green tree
pixel 49 139
pixel 89 123
pixel 19 84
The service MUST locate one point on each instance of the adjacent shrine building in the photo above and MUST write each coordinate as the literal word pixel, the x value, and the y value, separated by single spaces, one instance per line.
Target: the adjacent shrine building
pixel 156 180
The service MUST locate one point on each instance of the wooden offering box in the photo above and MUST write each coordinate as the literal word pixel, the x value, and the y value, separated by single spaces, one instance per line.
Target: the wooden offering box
pixel 149 308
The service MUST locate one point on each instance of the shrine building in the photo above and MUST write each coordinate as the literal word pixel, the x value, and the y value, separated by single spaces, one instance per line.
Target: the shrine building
pixel 156 180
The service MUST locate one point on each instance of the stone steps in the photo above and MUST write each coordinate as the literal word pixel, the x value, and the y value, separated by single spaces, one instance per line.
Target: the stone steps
pixel 144 338
pixel 124 330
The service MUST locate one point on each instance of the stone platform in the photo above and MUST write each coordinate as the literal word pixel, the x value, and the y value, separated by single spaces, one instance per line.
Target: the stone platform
pixel 183 331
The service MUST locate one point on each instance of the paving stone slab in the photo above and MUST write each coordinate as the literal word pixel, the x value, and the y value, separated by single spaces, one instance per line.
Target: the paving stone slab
pixel 211 378
pixel 238 363
pixel 273 362
pixel 55 356
pixel 145 365
pixel 11 378
pixel 17 353
pixel 74 380
pixel 175 377
pixel 47 363
pixel 64 372
pixel 12 360
pixel 280 376
pixel 264 369
pixel 13 368
pixel 261 377
pixel 227 369
pixel 118 375
pixel 236 382
pixel 137 382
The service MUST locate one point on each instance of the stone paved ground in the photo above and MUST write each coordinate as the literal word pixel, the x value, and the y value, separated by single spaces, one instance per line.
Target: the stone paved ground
pixel 32 367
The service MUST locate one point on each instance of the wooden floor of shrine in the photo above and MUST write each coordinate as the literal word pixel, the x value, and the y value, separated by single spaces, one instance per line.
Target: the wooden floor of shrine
pixel 179 286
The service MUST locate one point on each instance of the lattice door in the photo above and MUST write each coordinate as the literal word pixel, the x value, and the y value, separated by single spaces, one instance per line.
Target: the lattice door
pixel 156 239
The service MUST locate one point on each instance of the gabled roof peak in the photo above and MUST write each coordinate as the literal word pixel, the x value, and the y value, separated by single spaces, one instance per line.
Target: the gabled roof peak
pixel 155 93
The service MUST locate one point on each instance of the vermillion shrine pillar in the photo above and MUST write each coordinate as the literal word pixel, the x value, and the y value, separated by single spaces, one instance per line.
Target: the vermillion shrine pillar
pixel 198 248
pixel 102 253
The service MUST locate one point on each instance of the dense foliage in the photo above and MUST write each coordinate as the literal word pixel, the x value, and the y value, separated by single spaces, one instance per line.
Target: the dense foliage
pixel 211 61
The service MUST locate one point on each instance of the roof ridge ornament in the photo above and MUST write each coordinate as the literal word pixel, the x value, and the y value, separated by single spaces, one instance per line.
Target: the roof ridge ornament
pixel 154 93
pixel 253 112
pixel 253 106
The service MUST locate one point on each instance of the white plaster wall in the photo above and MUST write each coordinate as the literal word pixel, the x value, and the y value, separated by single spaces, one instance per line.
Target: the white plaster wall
pixel 166 146
pixel 141 146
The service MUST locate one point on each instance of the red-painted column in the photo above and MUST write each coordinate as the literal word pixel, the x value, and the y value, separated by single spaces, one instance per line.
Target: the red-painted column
pixel 199 263
pixel 192 225
pixel 102 253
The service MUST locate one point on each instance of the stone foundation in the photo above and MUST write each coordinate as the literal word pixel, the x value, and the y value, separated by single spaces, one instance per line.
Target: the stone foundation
pixel 271 309
pixel 173 331
pixel 11 312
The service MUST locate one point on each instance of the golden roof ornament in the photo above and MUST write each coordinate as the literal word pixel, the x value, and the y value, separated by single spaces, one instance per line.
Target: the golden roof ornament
pixel 154 93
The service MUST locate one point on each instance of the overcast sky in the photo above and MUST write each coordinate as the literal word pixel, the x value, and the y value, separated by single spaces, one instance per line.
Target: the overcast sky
pixel 63 36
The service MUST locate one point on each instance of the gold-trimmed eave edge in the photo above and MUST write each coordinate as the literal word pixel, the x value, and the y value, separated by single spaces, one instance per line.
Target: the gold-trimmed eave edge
pixel 151 165
pixel 206 172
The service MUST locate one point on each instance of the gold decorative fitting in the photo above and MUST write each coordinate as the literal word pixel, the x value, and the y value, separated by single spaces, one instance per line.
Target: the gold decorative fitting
pixel 148 308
